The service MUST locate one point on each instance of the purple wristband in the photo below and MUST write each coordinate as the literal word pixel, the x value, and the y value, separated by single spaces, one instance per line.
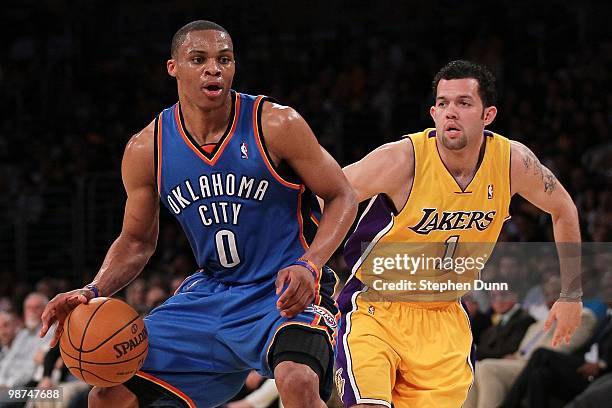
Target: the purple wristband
pixel 94 289
pixel 309 266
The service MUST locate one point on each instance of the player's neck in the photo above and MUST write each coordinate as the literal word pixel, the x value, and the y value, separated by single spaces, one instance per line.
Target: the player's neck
pixel 206 126
pixel 462 163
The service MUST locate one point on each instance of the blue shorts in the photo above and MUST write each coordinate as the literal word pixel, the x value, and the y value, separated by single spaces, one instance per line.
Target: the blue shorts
pixel 204 340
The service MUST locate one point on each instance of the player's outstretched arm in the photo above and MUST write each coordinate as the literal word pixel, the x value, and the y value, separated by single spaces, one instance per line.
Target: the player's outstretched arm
pixel 130 252
pixel 538 185
pixel 290 139
pixel 389 169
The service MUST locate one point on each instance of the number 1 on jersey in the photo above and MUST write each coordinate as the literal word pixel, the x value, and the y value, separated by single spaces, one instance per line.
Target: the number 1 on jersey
pixel 226 248
pixel 451 246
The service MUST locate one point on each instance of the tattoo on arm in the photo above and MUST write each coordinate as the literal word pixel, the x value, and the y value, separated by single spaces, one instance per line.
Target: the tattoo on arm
pixel 527 162
pixel 549 181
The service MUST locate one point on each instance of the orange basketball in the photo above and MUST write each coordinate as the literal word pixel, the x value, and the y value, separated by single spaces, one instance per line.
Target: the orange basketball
pixel 104 342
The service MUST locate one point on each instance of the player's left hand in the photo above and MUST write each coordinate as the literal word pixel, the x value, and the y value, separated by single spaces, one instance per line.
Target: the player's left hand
pixel 298 294
pixel 568 315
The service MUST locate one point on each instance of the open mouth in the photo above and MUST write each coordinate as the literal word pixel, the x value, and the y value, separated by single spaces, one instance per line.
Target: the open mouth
pixel 212 90
pixel 452 130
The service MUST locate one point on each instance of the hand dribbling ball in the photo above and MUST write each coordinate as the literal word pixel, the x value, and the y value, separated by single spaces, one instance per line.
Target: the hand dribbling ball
pixel 104 342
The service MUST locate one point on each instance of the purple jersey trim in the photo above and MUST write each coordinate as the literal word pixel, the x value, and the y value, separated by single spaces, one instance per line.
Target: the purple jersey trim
pixel 377 216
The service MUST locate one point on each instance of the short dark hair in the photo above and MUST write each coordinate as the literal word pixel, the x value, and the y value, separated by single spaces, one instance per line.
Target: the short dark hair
pixel 465 69
pixel 199 25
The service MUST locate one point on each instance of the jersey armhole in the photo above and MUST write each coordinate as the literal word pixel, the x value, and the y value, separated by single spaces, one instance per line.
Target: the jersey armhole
pixel 508 216
pixel 413 174
pixel 510 168
pixel 157 154
pixel 282 173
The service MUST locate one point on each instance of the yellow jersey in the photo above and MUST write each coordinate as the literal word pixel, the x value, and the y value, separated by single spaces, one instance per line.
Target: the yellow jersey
pixel 443 233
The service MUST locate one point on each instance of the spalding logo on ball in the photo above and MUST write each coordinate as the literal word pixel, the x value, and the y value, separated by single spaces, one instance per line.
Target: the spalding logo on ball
pixel 104 342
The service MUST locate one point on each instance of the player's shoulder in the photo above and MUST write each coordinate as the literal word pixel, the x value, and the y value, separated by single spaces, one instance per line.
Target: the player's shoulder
pixel 522 159
pixel 399 150
pixel 392 158
pixel 517 146
pixel 519 152
pixel 284 130
pixel 142 142
pixel 277 116
pixel 139 156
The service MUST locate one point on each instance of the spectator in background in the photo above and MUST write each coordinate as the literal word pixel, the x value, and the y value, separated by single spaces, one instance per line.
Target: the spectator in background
pixel 535 301
pixel 6 305
pixel 509 324
pixel 595 281
pixel 182 264
pixel 9 326
pixel 55 374
pixel 156 295
pixel 46 287
pixel 493 377
pixel 551 373
pixel 479 320
pixel 176 281
pixel 510 269
pixel 17 368
pixel 135 295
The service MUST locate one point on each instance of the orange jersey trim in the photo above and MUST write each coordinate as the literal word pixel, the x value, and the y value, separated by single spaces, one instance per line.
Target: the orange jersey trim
pixel 264 156
pixel 314 219
pixel 317 289
pixel 300 219
pixel 159 153
pixel 168 387
pixel 317 299
pixel 198 152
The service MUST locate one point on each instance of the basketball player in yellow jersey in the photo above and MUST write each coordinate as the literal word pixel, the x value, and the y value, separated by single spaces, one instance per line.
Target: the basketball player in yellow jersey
pixel 451 184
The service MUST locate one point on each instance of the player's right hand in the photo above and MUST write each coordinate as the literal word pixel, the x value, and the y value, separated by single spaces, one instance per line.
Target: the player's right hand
pixel 59 308
pixel 296 287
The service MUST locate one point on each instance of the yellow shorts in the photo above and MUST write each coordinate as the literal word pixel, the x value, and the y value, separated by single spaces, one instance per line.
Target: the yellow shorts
pixel 411 354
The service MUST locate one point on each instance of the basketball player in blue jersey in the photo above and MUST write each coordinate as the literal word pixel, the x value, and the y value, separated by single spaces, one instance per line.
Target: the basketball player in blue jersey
pixel 236 171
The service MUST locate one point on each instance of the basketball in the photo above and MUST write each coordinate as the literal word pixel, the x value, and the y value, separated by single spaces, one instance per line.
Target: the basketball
pixel 104 342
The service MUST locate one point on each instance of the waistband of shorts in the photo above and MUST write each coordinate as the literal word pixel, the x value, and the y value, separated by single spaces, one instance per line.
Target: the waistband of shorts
pixel 428 305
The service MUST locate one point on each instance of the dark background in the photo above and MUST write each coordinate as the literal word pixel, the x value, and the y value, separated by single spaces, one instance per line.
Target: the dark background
pixel 78 78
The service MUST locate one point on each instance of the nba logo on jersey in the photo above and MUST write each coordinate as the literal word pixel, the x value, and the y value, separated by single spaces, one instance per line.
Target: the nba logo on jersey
pixel 490 192
pixel 244 150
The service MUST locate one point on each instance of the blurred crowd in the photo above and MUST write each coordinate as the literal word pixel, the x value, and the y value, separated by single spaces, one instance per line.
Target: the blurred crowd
pixel 79 78
pixel 76 88
pixel 512 348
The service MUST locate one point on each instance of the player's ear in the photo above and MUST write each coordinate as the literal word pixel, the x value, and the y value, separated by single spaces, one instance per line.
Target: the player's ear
pixel 432 112
pixel 171 66
pixel 489 115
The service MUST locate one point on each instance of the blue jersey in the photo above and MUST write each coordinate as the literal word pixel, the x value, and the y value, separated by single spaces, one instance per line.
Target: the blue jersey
pixel 244 221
